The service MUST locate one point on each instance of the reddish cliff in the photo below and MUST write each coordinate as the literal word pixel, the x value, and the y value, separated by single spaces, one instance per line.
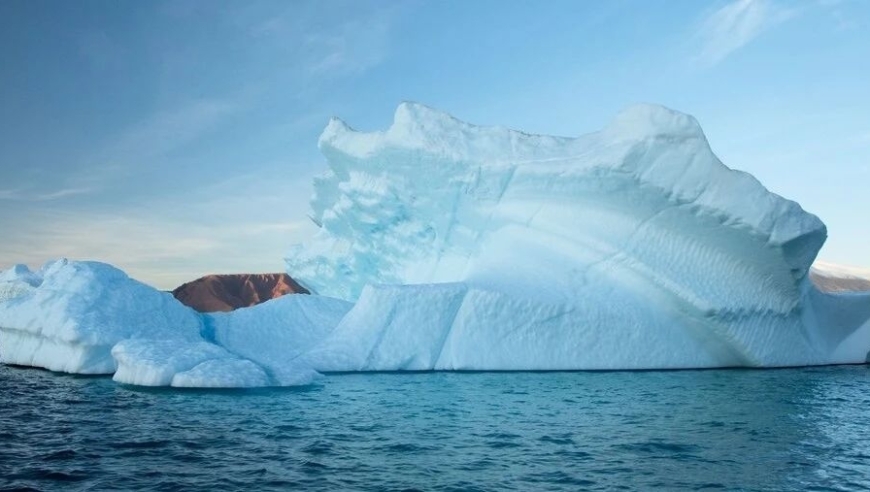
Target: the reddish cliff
pixel 228 292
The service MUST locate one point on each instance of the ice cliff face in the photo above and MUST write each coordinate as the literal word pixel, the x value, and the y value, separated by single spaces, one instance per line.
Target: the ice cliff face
pixel 434 199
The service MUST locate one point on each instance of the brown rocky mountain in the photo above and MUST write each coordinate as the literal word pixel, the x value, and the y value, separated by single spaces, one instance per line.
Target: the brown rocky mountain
pixel 831 277
pixel 229 292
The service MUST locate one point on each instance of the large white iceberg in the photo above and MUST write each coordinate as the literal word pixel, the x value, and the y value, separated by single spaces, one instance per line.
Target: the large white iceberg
pixel 446 246
pixel 633 247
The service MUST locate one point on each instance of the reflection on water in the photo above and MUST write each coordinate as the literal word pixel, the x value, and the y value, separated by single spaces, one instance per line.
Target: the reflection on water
pixel 794 429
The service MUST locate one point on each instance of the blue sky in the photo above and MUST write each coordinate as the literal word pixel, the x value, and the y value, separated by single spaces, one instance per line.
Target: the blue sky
pixel 175 139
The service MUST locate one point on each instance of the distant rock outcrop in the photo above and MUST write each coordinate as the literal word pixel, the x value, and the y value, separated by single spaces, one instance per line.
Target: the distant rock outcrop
pixel 827 283
pixel 214 293
pixel 830 277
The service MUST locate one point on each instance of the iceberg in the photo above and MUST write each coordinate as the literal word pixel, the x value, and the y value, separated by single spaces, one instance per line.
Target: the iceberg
pixel 78 311
pixel 91 318
pixel 447 246
pixel 630 248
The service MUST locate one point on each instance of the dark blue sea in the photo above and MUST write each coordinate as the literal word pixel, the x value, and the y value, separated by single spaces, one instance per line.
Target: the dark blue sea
pixel 789 429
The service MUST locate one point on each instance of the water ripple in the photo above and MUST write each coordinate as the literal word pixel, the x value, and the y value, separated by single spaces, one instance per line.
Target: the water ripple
pixel 802 429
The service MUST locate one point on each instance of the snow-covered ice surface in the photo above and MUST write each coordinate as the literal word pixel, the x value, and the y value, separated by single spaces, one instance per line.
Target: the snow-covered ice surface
pixel 447 246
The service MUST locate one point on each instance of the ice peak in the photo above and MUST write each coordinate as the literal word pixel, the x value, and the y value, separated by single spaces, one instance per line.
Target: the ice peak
pixel 419 116
pixel 20 273
pixel 641 121
pixel 334 129
pixel 16 271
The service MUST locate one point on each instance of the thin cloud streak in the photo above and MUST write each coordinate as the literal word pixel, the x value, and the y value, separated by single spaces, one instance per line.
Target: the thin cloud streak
pixel 734 26
pixel 19 195
pixel 151 248
pixel 239 224
pixel 349 48
pixel 166 131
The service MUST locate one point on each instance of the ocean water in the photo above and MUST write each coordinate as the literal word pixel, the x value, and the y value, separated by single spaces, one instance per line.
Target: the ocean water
pixel 790 429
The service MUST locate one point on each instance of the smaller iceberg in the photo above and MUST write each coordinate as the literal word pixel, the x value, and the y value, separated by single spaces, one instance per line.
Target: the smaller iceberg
pixel 91 318
pixel 75 312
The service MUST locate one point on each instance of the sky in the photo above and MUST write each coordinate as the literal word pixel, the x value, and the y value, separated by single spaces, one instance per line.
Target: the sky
pixel 176 139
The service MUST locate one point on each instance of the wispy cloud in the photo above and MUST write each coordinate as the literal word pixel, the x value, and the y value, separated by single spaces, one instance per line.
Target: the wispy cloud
pixel 287 57
pixel 239 224
pixel 355 47
pixel 330 42
pixel 148 143
pixel 305 45
pixel 20 195
pixel 152 248
pixel 735 25
pixel 163 132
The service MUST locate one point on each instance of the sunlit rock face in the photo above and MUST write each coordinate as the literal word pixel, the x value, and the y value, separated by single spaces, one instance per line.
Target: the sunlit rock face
pixel 228 292
pixel 648 251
